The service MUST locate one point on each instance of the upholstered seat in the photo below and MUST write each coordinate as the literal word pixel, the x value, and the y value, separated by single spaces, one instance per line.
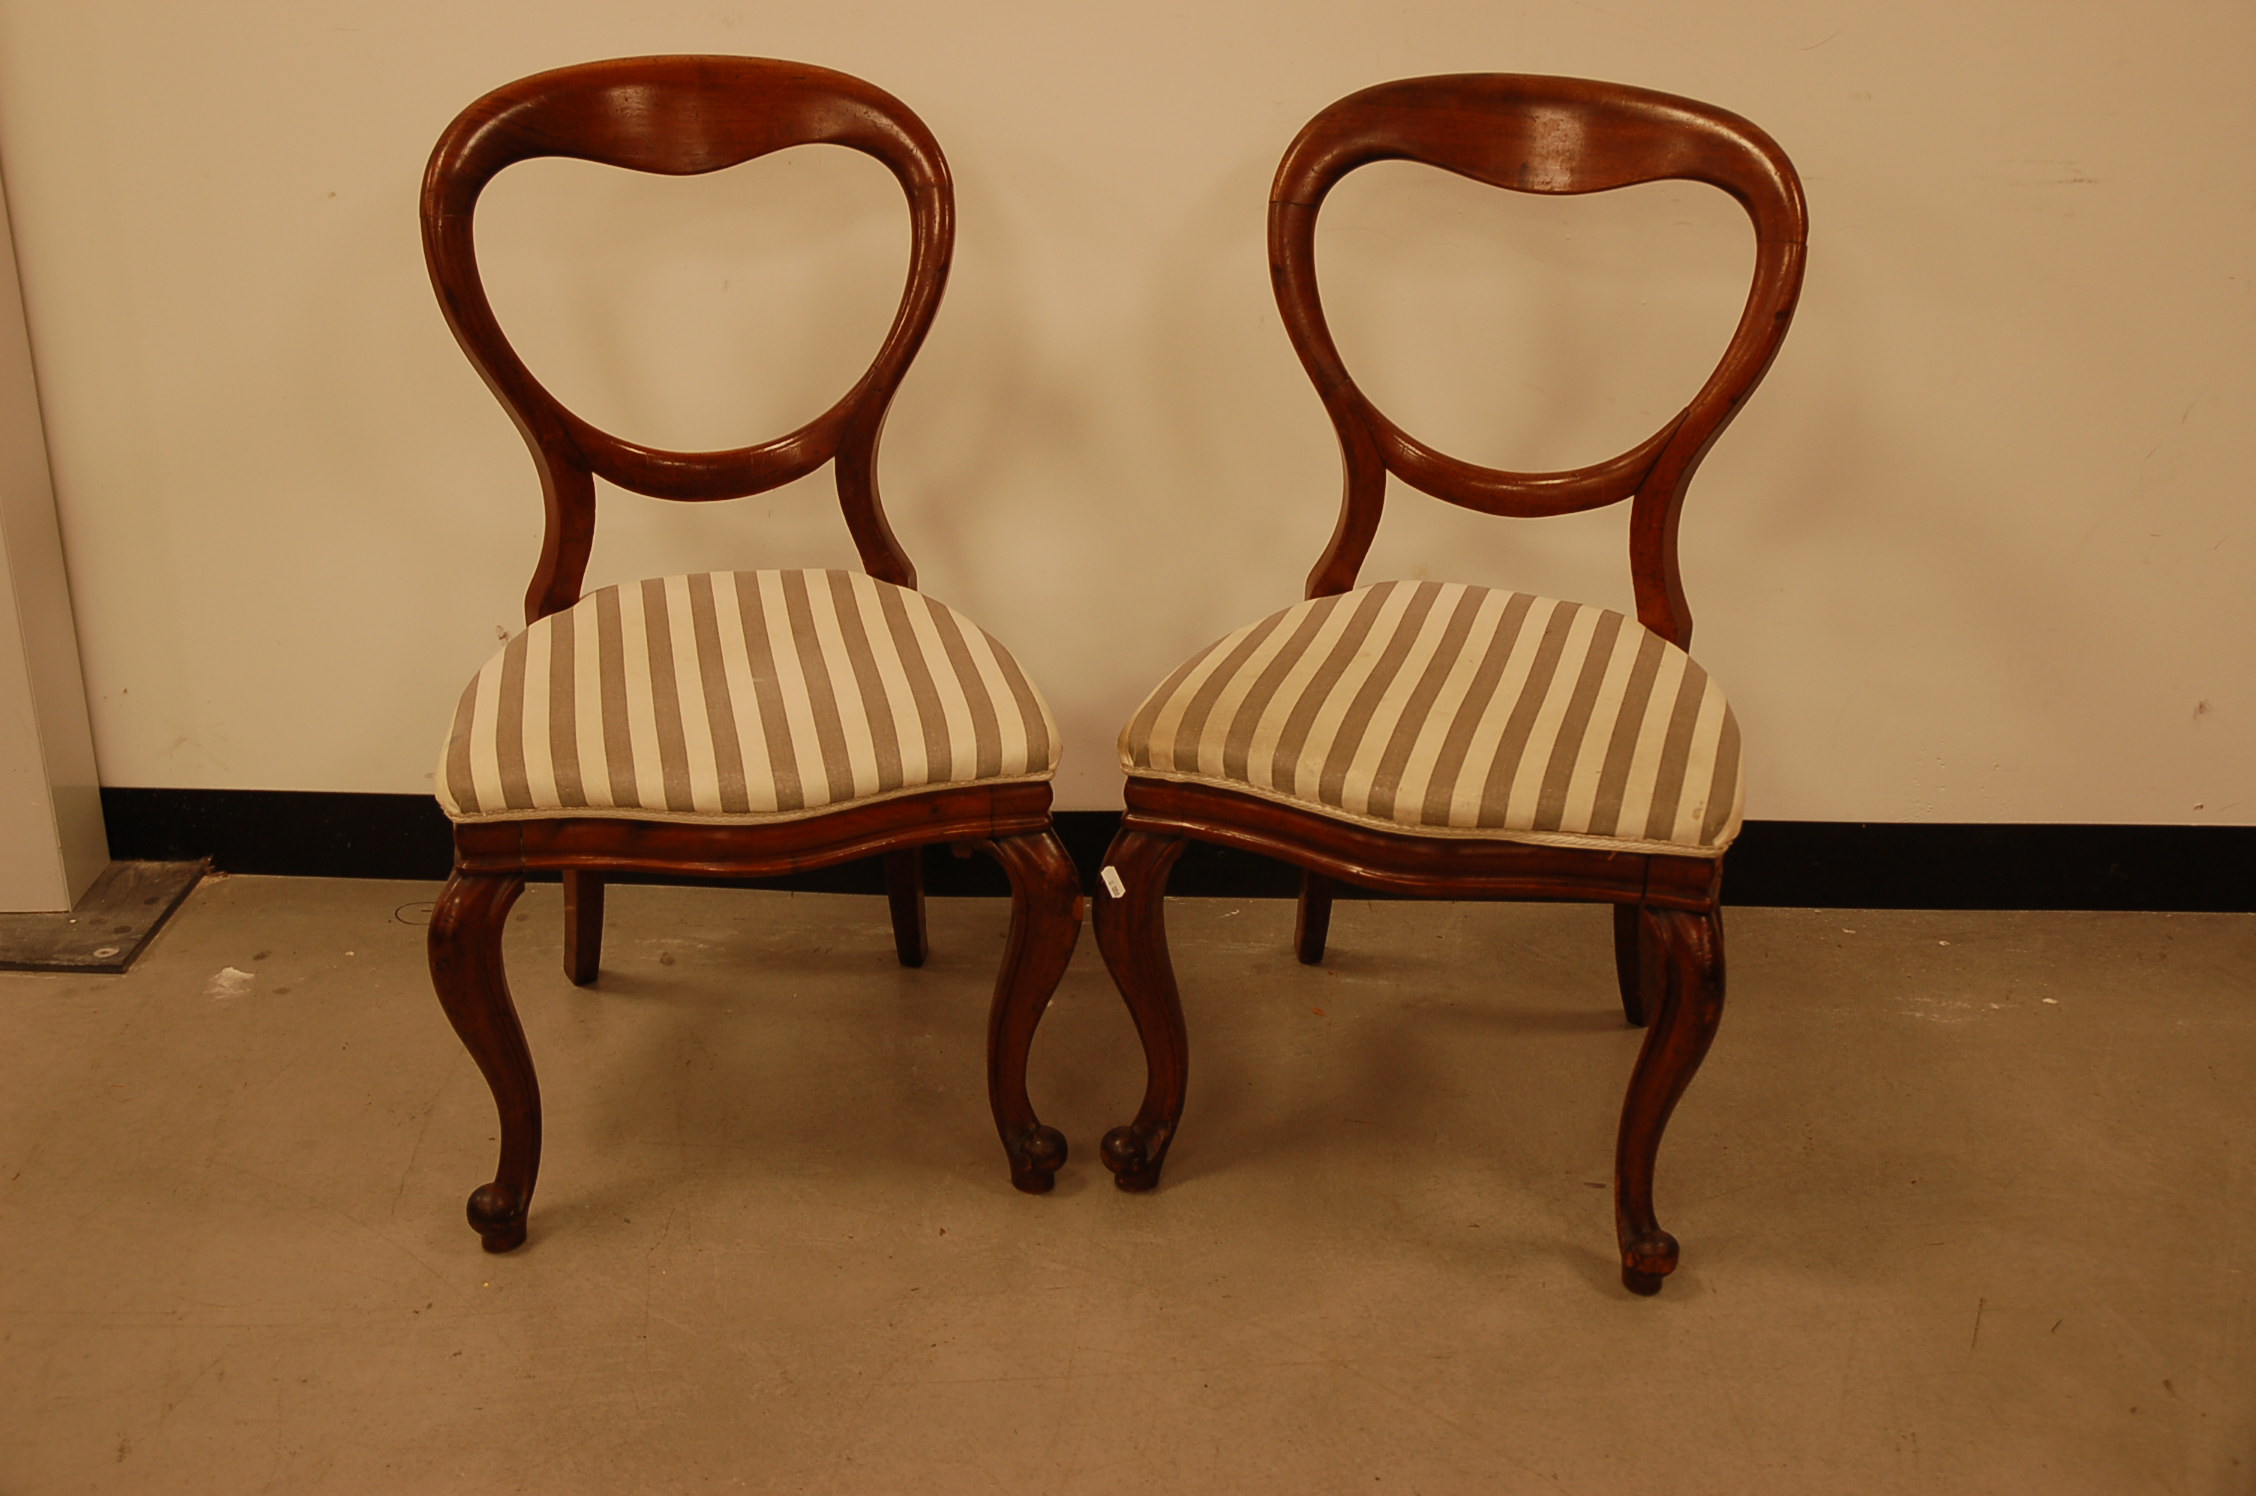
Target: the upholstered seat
pixel 1444 709
pixel 740 697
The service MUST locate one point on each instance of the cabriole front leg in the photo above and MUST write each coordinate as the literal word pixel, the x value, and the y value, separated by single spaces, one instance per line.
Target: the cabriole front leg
pixel 1132 933
pixel 1687 949
pixel 1045 924
pixel 466 968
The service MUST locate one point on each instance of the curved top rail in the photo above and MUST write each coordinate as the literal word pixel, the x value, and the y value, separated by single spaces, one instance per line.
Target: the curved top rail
pixel 682 116
pixel 1547 135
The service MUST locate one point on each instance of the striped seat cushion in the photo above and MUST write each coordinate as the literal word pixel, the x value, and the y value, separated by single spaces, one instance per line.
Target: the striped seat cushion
pixel 740 697
pixel 1447 710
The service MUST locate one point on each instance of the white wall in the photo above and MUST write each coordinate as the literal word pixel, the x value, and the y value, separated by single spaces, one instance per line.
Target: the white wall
pixel 1979 550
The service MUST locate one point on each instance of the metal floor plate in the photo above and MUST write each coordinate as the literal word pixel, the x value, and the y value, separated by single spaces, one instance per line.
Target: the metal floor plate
pixel 111 924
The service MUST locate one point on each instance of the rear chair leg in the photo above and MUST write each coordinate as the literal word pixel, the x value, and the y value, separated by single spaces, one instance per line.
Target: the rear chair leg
pixel 1313 924
pixel 1688 950
pixel 1132 933
pixel 904 893
pixel 583 926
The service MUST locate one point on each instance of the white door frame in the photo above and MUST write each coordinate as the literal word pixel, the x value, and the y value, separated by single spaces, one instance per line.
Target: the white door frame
pixel 52 841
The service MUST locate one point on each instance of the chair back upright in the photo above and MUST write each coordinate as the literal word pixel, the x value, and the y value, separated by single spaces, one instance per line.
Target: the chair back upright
pixel 683 116
pixel 1549 135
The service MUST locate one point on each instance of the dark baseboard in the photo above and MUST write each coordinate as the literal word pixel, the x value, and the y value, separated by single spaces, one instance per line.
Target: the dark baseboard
pixel 1820 864
pixel 292 833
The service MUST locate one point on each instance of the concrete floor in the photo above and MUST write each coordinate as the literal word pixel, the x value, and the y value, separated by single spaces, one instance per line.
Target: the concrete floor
pixel 1966 1201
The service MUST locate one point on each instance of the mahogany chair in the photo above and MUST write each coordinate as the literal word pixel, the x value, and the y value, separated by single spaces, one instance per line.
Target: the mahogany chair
pixel 724 724
pixel 1453 741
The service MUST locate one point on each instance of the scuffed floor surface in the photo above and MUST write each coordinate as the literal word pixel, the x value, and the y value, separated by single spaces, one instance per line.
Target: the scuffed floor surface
pixel 1967 1201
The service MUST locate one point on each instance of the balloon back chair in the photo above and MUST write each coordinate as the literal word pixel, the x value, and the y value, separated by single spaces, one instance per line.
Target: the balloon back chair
pixel 1454 741
pixel 724 724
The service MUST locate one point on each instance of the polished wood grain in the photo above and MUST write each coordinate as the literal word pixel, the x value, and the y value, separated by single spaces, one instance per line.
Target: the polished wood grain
pixel 1046 910
pixel 1687 953
pixel 683 115
pixel 583 925
pixel 1312 920
pixel 774 849
pixel 904 899
pixel 1132 934
pixel 1632 972
pixel 1525 134
pixel 1420 866
pixel 467 922
pixel 1543 135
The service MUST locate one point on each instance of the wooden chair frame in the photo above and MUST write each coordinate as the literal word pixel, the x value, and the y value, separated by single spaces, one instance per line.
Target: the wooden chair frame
pixel 1528 134
pixel 682 116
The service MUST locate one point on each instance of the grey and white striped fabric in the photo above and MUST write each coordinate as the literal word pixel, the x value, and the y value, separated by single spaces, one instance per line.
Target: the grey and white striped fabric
pixel 1448 710
pixel 740 697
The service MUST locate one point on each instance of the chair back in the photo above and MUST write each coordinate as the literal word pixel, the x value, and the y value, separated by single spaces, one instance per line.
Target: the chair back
pixel 682 116
pixel 1551 135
